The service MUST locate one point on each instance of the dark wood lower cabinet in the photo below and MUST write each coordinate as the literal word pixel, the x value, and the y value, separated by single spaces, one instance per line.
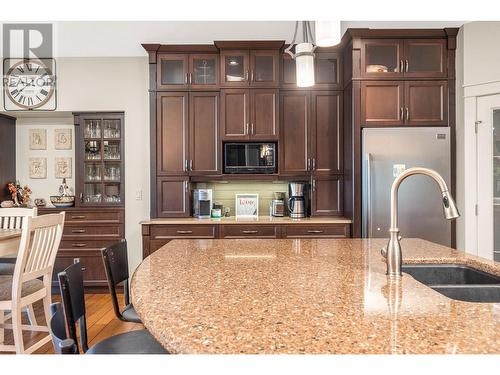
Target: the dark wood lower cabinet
pixel 86 232
pixel 154 236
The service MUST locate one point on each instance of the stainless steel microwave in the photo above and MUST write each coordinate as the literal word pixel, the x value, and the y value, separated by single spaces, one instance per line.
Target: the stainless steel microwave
pixel 246 157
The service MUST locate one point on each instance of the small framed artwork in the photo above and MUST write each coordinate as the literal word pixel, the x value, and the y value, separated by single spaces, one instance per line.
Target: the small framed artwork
pixel 62 139
pixel 63 167
pixel 38 139
pixel 38 167
pixel 247 206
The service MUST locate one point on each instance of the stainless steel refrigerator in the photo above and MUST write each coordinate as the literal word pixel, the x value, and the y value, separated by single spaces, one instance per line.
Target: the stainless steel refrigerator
pixel 386 153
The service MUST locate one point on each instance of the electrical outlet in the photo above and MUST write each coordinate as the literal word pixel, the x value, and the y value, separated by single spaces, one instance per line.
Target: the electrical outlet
pixel 138 195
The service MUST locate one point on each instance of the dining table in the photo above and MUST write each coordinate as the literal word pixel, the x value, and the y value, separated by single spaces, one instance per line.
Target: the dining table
pixel 293 296
pixel 9 241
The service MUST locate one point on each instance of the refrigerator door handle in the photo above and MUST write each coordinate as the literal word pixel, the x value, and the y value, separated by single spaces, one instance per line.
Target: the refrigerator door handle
pixel 369 194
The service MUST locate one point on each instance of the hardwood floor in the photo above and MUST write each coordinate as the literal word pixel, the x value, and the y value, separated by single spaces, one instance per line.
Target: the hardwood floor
pixel 101 323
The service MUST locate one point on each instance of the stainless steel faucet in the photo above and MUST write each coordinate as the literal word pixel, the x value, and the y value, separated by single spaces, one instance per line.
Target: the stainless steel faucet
pixel 393 251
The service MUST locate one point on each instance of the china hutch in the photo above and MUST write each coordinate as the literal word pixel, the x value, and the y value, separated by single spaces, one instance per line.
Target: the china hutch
pixel 98 218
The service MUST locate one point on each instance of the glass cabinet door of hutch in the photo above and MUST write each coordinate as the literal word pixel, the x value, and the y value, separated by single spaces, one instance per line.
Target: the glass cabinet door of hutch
pixel 382 57
pixel 235 68
pixel 173 70
pixel 263 67
pixel 204 70
pixel 102 162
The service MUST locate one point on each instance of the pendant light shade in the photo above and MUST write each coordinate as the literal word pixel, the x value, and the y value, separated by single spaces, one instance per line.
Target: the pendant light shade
pixel 304 59
pixel 327 33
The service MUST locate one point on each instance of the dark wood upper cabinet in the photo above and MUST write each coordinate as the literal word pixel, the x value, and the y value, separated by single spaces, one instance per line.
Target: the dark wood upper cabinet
pixel 172 133
pixel 418 58
pixel 425 58
pixel 382 103
pixel 382 58
pixel 294 122
pixel 264 68
pixel 326 196
pixel 235 114
pixel 326 132
pixel 248 68
pixel 203 71
pixel 426 103
pixel 173 197
pixel 204 148
pixel 326 72
pixel 172 71
pixel 264 118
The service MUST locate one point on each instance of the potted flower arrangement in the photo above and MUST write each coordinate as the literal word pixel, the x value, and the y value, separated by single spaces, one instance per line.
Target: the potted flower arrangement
pixel 20 195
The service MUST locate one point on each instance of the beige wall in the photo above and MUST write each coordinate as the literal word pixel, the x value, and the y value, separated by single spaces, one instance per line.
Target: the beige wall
pixel 102 84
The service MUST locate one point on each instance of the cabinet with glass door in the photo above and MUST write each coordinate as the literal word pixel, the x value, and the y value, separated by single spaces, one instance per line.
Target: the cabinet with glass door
pixel 99 159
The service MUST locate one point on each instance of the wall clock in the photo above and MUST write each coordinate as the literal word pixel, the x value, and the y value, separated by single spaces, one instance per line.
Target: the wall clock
pixel 29 84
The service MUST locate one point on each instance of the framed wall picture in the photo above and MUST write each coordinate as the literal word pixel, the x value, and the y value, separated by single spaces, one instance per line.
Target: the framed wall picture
pixel 62 139
pixel 38 139
pixel 247 206
pixel 63 168
pixel 38 167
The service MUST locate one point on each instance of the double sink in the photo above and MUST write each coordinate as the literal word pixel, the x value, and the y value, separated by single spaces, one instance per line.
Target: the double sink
pixel 458 282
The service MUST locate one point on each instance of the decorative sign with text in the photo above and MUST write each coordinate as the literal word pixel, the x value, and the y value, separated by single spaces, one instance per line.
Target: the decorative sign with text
pixel 247 206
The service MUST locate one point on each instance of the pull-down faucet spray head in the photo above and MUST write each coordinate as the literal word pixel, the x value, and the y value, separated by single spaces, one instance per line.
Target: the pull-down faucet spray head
pixel 449 207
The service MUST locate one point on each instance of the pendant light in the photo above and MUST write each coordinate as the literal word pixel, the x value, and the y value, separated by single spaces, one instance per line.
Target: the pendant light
pixel 304 55
pixel 327 33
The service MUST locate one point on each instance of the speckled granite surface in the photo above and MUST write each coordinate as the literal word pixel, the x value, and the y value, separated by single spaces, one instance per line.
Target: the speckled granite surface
pixel 305 296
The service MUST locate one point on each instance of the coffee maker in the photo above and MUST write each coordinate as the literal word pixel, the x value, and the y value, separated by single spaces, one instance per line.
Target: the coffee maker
pixel 296 200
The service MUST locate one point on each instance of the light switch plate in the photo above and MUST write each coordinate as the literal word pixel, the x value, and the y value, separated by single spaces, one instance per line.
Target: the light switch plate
pixel 397 169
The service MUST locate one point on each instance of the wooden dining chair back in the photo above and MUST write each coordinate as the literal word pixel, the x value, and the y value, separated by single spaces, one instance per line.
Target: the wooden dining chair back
pixel 73 300
pixel 62 344
pixel 115 260
pixel 32 276
pixel 13 218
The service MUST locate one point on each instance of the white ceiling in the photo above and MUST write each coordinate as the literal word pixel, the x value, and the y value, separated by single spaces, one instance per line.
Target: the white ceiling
pixel 124 38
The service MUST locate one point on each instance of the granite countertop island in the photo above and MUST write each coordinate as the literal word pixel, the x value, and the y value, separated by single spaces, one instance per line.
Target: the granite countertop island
pixel 306 296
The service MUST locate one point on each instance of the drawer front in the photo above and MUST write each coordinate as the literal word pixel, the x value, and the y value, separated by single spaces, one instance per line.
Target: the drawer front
pixel 77 244
pixel 100 231
pixel 94 216
pixel 249 231
pixel 92 266
pixel 170 232
pixel 316 231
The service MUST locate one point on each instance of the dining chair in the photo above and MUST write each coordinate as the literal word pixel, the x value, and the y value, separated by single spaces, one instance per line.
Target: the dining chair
pixel 116 265
pixel 31 281
pixel 13 218
pixel 73 301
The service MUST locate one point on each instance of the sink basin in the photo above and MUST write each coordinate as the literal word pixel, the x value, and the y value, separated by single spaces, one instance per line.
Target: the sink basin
pixel 458 282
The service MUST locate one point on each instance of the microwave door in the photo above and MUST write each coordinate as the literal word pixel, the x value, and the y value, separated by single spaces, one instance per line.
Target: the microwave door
pixel 253 156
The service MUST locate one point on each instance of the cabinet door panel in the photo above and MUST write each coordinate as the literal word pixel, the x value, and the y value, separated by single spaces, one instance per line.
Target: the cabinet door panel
pixel 172 71
pixel 204 133
pixel 264 119
pixel 204 71
pixel 425 58
pixel 173 197
pixel 235 114
pixel 382 58
pixel 171 133
pixel 264 68
pixel 294 119
pixel 326 70
pixel 382 103
pixel 326 197
pixel 235 68
pixel 426 103
pixel 326 132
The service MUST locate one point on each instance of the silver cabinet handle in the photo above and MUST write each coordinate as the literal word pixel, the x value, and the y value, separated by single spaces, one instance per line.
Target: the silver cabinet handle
pixel 313 164
pixel 246 75
pixel 313 231
pixel 308 164
pixel 314 184
pixel 401 66
pixel 78 231
pixel 407 114
pixel 247 127
pixel 77 217
pixel 186 165
pixel 81 197
pixel 190 164
pixel 406 65
pixel 78 244
pixel 186 79
pixel 401 114
pixel 190 78
pixel 252 130
pixel 186 186
pixel 184 232
pixel 250 231
pixel 369 193
pixel 251 76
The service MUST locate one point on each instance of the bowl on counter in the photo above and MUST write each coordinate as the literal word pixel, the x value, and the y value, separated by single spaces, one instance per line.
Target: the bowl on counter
pixel 62 201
